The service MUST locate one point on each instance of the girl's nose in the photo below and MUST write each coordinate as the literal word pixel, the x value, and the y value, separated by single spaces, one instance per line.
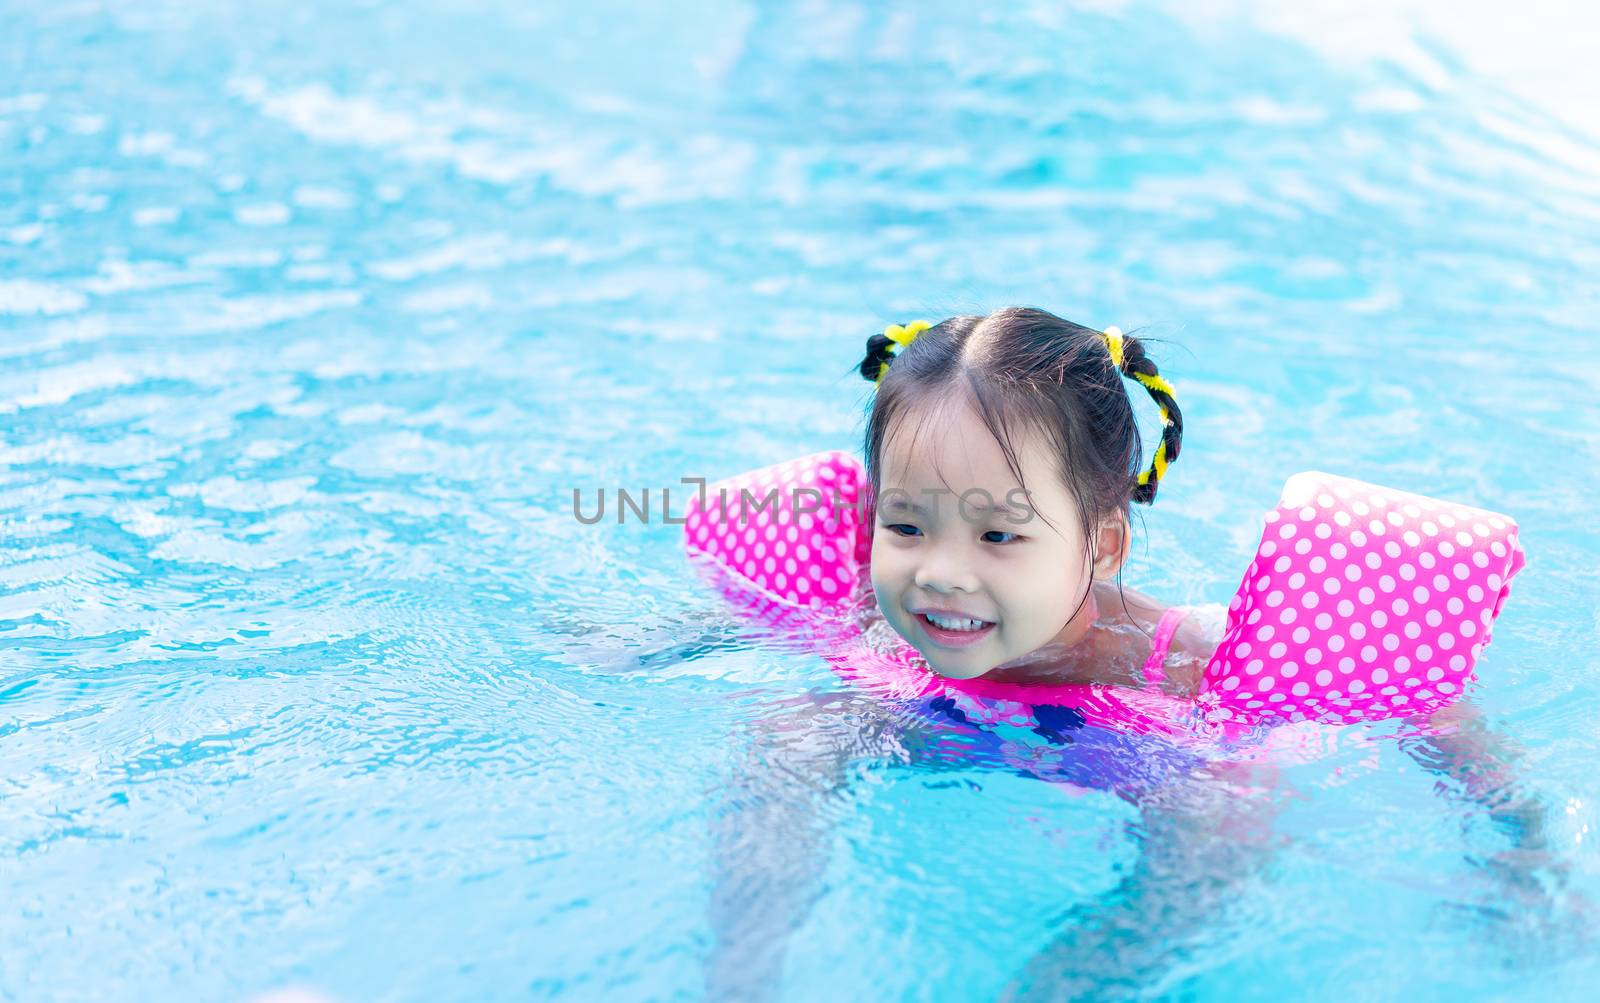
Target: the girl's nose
pixel 941 572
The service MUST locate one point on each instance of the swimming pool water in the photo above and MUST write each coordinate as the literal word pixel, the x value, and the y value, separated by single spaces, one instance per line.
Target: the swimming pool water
pixel 313 318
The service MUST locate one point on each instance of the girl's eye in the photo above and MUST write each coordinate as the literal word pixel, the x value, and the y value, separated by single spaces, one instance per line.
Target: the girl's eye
pixel 907 530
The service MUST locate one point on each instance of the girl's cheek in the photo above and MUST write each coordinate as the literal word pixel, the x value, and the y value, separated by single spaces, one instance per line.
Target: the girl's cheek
pixel 885 570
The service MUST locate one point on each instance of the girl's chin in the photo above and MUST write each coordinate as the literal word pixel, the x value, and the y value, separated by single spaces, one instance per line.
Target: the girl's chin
pixel 961 672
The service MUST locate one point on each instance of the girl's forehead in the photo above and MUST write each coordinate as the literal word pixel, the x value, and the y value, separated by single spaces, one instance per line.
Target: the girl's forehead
pixel 952 448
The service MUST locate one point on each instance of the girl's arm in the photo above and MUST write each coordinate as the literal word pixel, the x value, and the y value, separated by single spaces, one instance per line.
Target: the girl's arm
pixel 1485 767
pixel 770 830
pixel 618 646
pixel 1484 770
pixel 1202 839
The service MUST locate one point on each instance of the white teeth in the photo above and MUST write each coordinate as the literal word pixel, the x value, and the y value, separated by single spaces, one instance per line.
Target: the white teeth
pixel 957 624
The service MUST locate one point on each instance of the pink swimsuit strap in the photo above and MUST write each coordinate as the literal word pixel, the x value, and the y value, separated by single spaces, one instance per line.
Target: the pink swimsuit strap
pixel 1154 671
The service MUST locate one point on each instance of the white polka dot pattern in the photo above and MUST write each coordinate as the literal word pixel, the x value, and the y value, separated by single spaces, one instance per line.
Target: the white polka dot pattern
pixel 798 531
pixel 1362 603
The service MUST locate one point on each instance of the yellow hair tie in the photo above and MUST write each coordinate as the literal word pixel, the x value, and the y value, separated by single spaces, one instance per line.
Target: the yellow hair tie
pixel 902 336
pixel 1158 465
pixel 1156 383
pixel 1113 336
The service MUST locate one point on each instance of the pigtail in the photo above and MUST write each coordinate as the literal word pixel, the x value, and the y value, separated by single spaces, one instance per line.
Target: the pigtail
pixel 881 348
pixel 879 351
pixel 1136 365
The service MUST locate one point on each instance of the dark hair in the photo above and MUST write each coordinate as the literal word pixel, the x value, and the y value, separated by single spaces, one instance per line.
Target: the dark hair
pixel 1027 369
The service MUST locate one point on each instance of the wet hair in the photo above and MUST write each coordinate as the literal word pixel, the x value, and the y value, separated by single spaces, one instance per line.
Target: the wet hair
pixel 1023 370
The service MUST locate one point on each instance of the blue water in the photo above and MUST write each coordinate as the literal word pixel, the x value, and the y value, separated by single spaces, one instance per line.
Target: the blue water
pixel 312 318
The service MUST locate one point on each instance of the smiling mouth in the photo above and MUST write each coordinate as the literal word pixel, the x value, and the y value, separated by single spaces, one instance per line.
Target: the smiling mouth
pixel 954 632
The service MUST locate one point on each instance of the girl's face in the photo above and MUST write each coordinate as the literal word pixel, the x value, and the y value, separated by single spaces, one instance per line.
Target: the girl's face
pixel 958 538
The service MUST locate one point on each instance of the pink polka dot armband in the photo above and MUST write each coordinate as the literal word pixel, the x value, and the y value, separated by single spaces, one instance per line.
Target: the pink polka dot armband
pixel 1361 603
pixel 793 539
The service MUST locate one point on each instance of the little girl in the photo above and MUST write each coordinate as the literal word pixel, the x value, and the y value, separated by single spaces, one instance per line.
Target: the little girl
pixel 1004 455
pixel 1002 459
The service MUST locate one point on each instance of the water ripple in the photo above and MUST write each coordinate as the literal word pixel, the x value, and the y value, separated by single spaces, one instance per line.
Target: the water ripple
pixel 305 660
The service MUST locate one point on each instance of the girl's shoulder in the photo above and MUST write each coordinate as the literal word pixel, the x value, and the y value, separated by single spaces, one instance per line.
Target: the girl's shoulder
pixel 1201 624
pixel 1200 631
pixel 1185 650
pixel 1122 605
